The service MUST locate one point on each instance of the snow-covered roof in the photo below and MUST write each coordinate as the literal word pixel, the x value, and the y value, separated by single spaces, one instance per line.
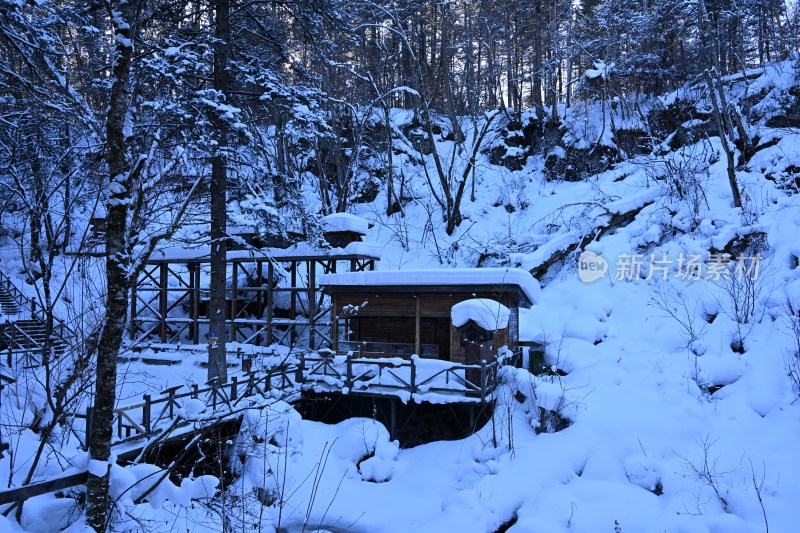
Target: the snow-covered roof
pixel 468 277
pixel 487 314
pixel 345 222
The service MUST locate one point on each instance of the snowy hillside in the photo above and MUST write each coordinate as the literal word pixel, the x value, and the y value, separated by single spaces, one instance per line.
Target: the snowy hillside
pixel 674 380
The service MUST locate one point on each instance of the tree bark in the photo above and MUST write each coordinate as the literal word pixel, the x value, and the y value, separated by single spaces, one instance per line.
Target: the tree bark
pixel 117 261
pixel 725 131
pixel 217 368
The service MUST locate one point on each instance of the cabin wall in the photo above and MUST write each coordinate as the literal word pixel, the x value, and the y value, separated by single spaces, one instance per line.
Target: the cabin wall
pixel 390 316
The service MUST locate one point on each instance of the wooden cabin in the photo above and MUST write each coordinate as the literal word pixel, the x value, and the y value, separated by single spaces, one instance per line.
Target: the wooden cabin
pixel 397 314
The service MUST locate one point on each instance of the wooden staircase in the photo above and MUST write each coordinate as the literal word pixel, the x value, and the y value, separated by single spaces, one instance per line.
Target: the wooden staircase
pixel 23 327
pixel 8 304
pixel 28 336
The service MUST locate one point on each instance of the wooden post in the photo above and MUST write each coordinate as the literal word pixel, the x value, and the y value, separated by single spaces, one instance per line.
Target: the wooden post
pixel 234 298
pixel 293 303
pixel 417 326
pixel 132 327
pixel 270 281
pixel 260 298
pixel 234 385
pixel 298 377
pixel 163 282
pixel 146 412
pixel 194 312
pixel 334 324
pixel 312 303
pixel 413 380
pixel 349 378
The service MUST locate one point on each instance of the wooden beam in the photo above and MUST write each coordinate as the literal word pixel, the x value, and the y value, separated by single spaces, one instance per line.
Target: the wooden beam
pixel 260 296
pixel 37 489
pixel 312 303
pixel 334 326
pixel 163 283
pixel 234 299
pixel 270 281
pixel 417 326
pixel 293 303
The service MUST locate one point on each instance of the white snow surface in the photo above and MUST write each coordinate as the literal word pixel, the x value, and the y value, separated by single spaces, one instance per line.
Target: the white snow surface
pixel 489 315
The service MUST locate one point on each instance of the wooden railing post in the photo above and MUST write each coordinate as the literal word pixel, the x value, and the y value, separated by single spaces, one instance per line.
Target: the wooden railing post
pixel 413 377
pixel 298 376
pixel 195 392
pixel 250 384
pixel 146 410
pixel 234 385
pixel 349 378
pixel 171 403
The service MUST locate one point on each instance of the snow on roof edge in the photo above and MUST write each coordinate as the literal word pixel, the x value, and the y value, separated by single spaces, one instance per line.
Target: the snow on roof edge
pixel 428 277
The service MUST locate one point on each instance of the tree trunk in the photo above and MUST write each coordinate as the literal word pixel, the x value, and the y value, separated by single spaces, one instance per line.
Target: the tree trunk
pixel 217 368
pixel 725 131
pixel 117 261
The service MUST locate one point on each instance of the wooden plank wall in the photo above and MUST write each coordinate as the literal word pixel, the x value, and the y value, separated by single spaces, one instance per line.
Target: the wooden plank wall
pixel 400 308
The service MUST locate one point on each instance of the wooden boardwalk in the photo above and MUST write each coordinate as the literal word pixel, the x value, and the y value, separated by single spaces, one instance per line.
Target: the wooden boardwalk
pixel 181 406
pixel 179 410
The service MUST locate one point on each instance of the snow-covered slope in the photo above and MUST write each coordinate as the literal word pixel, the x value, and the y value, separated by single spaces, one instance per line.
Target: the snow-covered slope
pixel 682 417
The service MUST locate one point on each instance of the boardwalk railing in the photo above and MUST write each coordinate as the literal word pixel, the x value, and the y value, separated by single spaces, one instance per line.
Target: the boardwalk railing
pixel 176 406
pixel 172 408
pixel 413 376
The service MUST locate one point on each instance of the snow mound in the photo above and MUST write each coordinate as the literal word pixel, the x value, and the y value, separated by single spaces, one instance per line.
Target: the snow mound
pixel 487 314
pixel 345 222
